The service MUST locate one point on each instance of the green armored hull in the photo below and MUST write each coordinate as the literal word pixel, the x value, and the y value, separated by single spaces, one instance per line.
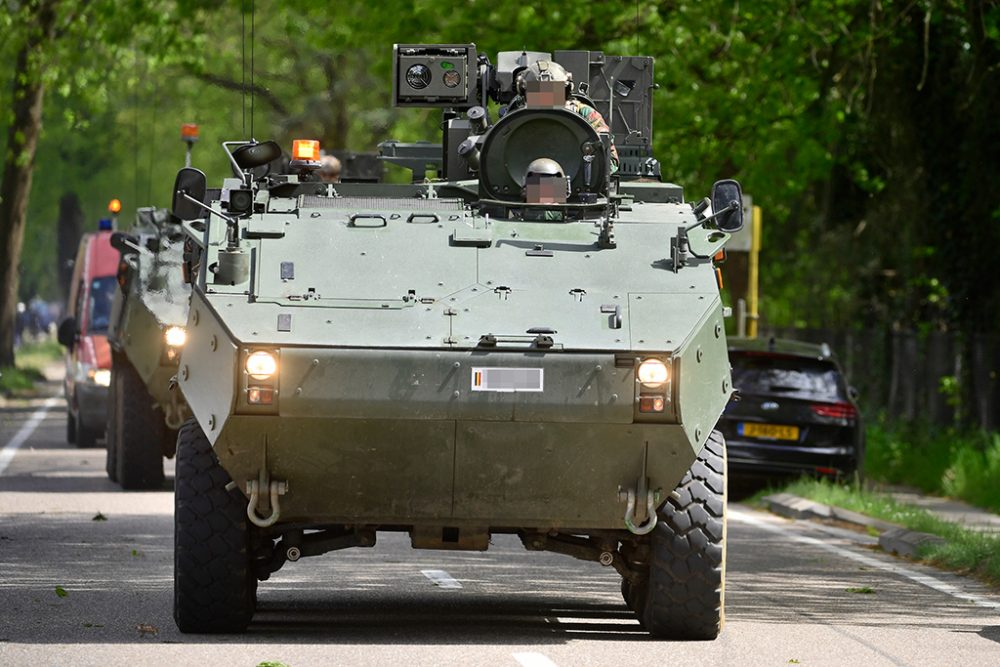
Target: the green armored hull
pixel 149 314
pixel 375 382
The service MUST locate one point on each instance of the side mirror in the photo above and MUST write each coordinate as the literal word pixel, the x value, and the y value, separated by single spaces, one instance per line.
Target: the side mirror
pixel 853 393
pixel 251 156
pixel 190 182
pixel 66 334
pixel 727 193
pixel 120 241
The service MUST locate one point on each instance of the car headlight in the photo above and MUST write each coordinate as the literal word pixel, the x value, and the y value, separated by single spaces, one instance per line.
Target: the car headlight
pixel 175 336
pixel 261 365
pixel 101 377
pixel 652 372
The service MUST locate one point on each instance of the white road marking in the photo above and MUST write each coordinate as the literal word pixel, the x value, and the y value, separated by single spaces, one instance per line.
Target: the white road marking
pixel 441 578
pixel 920 578
pixel 7 453
pixel 533 660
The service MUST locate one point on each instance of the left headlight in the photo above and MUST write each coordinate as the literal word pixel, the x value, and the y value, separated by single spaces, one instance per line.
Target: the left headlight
pixel 101 377
pixel 261 365
pixel 175 336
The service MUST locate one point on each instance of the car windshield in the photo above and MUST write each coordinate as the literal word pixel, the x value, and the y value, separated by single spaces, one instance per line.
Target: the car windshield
pixel 801 378
pixel 102 292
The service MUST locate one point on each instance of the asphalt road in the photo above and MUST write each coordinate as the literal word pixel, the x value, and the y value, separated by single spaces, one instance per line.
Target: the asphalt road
pixel 796 590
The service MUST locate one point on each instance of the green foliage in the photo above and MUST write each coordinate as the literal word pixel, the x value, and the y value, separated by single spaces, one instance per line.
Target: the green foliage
pixel 958 463
pixel 865 590
pixel 14 381
pixel 31 360
pixel 39 354
pixel 871 149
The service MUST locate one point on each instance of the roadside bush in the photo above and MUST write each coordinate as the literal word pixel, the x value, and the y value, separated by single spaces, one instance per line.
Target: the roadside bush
pixel 960 464
pixel 31 359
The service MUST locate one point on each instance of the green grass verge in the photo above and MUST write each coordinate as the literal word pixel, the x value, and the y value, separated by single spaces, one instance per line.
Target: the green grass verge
pixel 966 551
pixel 31 360
pixel 38 355
pixel 958 463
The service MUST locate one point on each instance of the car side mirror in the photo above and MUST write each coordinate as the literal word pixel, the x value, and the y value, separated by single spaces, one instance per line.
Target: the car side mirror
pixel 189 184
pixel 728 194
pixel 124 243
pixel 66 334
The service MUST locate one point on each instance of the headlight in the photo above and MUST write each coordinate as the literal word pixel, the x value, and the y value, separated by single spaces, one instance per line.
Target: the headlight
pixel 175 336
pixel 102 377
pixel 652 372
pixel 261 365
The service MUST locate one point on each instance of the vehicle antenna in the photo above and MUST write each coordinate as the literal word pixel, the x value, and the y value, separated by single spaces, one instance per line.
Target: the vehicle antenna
pixel 152 139
pixel 243 63
pixel 636 28
pixel 253 7
pixel 135 122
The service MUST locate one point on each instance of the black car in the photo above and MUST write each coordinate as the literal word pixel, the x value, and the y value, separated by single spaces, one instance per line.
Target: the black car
pixel 795 414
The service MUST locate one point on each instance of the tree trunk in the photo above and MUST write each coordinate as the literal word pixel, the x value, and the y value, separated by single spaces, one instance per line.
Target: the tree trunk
pixel 18 164
pixel 69 231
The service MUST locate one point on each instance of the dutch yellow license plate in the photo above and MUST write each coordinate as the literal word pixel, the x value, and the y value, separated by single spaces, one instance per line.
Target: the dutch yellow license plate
pixel 773 431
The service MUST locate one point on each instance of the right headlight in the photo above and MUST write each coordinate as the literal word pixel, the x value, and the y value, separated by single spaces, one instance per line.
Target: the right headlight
pixel 175 336
pixel 652 373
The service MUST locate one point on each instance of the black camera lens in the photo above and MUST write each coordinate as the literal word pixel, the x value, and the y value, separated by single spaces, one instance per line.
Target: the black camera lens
pixel 240 201
pixel 418 76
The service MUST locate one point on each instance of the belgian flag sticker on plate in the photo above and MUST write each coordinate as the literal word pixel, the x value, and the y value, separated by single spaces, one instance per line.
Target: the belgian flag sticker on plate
pixel 507 379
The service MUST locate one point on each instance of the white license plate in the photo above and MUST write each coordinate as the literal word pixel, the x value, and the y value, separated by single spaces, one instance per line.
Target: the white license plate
pixel 508 379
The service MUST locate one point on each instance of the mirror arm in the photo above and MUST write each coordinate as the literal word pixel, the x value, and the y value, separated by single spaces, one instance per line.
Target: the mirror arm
pixel 733 205
pixel 234 227
pixel 239 173
pixel 133 246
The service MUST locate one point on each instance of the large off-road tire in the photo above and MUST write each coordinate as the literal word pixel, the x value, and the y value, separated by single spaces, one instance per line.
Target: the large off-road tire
pixel 215 588
pixel 139 430
pixel 86 438
pixel 683 596
pixel 110 435
pixel 70 428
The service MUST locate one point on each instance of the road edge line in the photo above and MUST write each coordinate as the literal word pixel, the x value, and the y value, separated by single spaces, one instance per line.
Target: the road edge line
pixel 22 435
pixel 894 568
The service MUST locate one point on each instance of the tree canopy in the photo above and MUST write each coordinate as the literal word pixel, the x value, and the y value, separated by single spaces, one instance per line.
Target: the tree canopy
pixel 867 131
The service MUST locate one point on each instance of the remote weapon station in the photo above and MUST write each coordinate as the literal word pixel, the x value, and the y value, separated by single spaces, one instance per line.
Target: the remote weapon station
pixel 530 343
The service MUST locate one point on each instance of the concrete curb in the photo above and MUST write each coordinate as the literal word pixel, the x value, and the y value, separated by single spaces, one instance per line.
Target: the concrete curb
pixel 892 538
pixel 905 542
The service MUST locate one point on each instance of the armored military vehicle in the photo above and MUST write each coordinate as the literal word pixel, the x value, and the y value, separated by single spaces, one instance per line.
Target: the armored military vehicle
pixel 146 333
pixel 531 343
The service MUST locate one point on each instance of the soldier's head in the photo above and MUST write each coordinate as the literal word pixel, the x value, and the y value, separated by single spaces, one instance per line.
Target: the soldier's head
pixel 544 83
pixel 545 182
pixel 329 172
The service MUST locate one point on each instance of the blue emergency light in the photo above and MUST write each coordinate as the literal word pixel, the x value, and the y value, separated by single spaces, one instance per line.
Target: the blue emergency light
pixel 105 224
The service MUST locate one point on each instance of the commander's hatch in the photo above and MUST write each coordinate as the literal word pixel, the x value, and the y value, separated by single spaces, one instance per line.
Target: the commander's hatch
pixel 621 88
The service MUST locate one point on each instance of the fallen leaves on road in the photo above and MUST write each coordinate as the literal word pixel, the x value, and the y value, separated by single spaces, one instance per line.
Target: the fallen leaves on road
pixel 865 590
pixel 147 629
pixel 99 517
pixel 61 592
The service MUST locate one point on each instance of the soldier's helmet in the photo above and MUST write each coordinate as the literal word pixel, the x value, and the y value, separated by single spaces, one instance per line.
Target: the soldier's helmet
pixel 543 70
pixel 544 166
